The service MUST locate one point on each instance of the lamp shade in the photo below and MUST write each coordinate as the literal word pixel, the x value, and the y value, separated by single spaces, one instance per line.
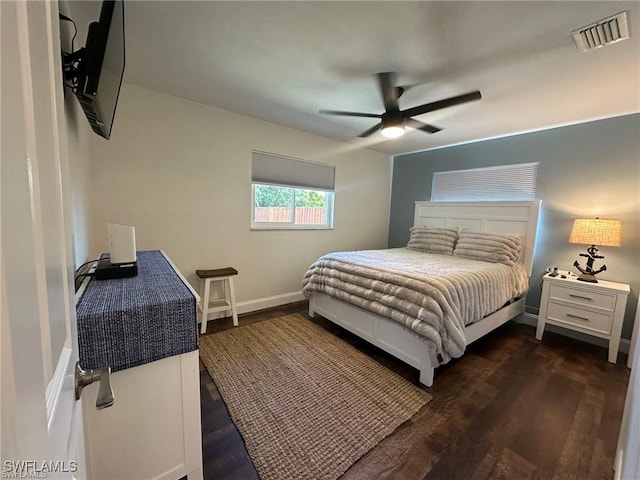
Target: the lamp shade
pixel 596 231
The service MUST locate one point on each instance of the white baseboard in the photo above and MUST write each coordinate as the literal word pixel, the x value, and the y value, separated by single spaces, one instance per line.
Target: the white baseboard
pixel 269 302
pixel 261 304
pixel 532 319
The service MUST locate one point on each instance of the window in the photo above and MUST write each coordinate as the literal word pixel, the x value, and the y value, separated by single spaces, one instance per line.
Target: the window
pixel 288 193
pixel 507 182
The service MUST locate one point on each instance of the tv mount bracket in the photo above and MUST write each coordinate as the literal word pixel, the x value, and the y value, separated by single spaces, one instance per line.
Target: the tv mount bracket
pixel 72 65
pixel 73 62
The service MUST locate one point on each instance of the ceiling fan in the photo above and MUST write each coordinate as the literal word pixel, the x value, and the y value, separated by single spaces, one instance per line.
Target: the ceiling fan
pixel 393 121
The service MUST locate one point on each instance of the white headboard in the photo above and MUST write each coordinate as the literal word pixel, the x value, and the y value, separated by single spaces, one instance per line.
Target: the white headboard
pixel 504 218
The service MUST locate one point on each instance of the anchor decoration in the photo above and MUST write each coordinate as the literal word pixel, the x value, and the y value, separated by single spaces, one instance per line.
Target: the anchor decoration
pixel 594 231
pixel 588 273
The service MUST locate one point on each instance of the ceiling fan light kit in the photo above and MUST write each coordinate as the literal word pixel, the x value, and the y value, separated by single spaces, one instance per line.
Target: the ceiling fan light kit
pixel 393 131
pixel 392 124
pixel 393 121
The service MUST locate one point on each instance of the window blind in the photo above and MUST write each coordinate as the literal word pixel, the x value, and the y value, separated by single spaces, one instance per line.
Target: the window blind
pixel 278 170
pixel 506 182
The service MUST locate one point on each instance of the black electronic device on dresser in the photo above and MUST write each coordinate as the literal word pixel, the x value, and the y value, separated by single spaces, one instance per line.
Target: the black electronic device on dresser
pixel 105 270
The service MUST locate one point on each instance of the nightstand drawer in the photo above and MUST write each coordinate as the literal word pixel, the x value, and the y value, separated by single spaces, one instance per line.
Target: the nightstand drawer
pixel 583 297
pixel 578 317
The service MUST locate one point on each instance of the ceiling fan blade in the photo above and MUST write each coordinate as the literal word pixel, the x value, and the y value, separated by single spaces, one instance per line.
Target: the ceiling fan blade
pixel 349 114
pixel 418 125
pixel 447 102
pixel 389 91
pixel 372 130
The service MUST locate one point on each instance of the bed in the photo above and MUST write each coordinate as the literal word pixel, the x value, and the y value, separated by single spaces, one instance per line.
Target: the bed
pixel 425 308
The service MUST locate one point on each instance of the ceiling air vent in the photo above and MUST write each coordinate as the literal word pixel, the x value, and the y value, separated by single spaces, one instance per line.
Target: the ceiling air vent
pixel 604 32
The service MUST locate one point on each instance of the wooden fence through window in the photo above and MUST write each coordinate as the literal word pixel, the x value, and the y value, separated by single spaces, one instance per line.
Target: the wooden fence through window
pixel 304 215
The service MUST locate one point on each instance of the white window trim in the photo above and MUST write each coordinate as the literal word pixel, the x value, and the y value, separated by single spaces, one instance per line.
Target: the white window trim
pixel 328 212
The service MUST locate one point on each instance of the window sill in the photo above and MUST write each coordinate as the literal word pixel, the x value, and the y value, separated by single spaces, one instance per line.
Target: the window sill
pixel 258 227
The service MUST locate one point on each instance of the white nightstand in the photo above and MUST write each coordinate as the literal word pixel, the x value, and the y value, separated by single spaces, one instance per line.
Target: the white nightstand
pixel 593 308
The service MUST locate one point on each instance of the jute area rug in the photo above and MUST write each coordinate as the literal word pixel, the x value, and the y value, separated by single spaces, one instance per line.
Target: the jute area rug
pixel 307 404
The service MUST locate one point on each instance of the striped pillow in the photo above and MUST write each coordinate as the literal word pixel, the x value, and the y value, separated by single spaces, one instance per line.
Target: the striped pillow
pixel 433 240
pixel 488 247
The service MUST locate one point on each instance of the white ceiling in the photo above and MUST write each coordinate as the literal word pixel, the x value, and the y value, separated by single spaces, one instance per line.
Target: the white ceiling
pixel 283 61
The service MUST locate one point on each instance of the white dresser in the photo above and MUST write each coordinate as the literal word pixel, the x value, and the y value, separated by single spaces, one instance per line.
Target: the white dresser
pixel 595 309
pixel 152 430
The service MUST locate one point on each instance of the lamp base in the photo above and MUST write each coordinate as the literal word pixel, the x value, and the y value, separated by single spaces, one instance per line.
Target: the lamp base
pixel 588 273
pixel 585 277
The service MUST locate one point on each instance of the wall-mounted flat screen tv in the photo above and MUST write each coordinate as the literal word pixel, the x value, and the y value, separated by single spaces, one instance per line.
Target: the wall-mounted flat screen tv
pixel 100 68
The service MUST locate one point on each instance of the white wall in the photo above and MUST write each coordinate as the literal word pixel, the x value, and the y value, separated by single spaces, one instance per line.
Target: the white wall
pixel 180 172
pixel 78 134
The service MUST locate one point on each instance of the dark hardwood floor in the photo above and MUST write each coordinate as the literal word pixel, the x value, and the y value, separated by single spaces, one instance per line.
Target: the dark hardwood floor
pixel 510 408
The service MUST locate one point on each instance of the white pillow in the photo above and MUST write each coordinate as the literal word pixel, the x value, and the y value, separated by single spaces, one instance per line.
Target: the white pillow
pixel 433 239
pixel 488 247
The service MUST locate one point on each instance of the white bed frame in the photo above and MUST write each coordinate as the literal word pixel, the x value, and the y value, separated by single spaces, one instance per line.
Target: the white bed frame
pixel 519 218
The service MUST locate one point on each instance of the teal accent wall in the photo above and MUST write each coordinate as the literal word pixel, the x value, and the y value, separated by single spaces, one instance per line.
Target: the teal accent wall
pixel 586 170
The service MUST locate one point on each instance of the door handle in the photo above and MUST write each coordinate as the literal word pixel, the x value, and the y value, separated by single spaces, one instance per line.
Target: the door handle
pixel 87 377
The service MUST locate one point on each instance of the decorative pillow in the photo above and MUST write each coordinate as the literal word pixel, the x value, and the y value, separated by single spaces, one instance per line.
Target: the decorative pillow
pixel 488 247
pixel 433 239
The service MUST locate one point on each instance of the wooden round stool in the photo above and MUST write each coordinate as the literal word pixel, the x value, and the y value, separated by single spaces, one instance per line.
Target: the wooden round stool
pixel 222 304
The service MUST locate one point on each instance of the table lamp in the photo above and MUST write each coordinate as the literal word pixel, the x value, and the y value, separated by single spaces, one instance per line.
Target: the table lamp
pixel 594 231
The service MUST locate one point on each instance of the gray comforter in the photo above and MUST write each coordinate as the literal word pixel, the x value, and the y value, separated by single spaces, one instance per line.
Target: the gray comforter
pixel 433 295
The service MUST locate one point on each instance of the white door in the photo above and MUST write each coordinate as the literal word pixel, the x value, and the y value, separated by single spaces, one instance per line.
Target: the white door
pixel 627 463
pixel 40 421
